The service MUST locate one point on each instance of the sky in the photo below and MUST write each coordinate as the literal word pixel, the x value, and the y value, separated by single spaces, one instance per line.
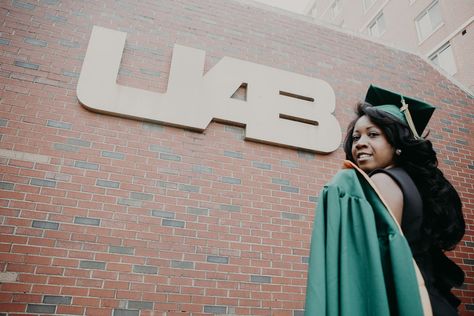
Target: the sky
pixel 291 5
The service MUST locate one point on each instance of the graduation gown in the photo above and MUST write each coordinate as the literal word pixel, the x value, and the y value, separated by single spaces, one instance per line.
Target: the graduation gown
pixel 360 263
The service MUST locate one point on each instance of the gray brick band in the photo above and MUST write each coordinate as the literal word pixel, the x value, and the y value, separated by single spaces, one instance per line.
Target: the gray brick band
pixel 217 259
pixel 86 165
pixel 126 312
pixel 182 264
pixel 45 225
pixel 87 221
pixel 164 214
pixel 6 186
pixel 122 250
pixel 26 65
pixel 43 183
pixel 57 124
pixel 107 184
pixel 215 309
pixel 140 305
pixel 98 265
pixel 260 279
pixel 41 309
pixel 53 299
pixel 172 223
pixel 141 196
pixel 113 155
pixel 145 269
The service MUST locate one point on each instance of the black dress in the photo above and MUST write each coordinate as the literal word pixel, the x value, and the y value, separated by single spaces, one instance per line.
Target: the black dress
pixel 439 272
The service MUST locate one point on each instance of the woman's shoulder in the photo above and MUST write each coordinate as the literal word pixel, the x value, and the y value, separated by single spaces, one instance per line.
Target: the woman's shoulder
pixel 351 180
pixel 391 193
pixel 397 174
pixel 394 172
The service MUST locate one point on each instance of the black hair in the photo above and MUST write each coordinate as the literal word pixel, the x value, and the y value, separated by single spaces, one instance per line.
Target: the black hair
pixel 443 222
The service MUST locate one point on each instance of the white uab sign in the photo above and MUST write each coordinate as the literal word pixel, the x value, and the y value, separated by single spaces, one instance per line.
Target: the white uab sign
pixel 280 108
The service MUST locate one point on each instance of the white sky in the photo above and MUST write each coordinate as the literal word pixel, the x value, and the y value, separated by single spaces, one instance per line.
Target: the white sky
pixel 291 5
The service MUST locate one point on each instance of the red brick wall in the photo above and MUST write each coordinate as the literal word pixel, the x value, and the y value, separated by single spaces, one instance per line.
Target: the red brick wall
pixel 109 216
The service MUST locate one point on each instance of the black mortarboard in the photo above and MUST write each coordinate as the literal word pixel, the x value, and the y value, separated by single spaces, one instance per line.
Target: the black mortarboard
pixel 415 113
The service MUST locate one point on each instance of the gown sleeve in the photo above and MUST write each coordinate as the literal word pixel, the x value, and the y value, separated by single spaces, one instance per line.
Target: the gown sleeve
pixel 360 263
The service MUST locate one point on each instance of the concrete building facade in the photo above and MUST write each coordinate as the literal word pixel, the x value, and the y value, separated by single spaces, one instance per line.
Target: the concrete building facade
pixel 119 215
pixel 439 30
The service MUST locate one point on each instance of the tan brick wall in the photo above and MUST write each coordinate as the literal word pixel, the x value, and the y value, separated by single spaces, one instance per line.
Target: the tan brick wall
pixel 463 52
pixel 401 31
pixel 109 216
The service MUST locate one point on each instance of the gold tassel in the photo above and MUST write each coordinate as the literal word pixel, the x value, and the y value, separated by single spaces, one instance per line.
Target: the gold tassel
pixel 409 119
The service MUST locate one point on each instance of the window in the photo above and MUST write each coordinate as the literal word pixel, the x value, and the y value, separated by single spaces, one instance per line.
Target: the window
pixel 368 4
pixel 444 58
pixel 428 21
pixel 377 26
pixel 336 8
pixel 312 8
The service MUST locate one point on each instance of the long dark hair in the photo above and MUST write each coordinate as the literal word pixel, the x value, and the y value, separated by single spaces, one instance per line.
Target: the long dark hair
pixel 443 222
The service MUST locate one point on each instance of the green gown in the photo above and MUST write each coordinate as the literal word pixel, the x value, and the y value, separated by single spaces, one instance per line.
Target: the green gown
pixel 360 263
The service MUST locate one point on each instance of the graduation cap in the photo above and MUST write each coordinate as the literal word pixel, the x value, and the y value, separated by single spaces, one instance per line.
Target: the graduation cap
pixel 415 113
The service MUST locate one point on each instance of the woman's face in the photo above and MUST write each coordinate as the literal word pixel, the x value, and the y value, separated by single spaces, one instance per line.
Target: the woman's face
pixel 370 148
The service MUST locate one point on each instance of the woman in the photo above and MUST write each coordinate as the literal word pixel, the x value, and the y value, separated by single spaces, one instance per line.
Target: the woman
pixel 384 142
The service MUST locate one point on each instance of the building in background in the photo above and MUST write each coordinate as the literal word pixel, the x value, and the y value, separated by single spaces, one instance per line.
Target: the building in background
pixel 439 30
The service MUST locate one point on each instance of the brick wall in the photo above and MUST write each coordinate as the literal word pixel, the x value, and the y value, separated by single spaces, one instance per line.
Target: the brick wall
pixel 110 216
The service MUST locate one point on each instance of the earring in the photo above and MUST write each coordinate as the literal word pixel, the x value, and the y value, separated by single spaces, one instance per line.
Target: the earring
pixel 398 152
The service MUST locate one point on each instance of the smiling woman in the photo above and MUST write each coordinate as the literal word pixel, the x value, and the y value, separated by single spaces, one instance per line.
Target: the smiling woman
pixel 399 168
pixel 371 150
pixel 384 141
